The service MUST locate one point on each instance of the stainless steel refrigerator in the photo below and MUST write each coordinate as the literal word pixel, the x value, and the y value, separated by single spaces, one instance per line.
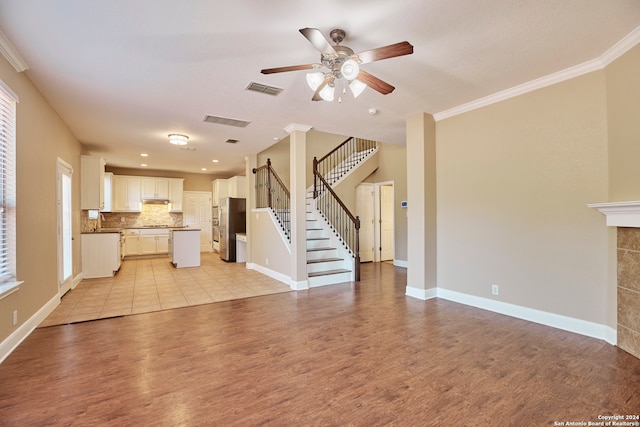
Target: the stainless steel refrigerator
pixel 233 219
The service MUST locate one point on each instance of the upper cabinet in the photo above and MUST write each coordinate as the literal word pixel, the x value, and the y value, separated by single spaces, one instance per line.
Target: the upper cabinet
pixel 108 199
pixel 175 194
pixel 155 188
pixel 238 187
pixel 92 182
pixel 220 190
pixel 129 192
pixel 126 193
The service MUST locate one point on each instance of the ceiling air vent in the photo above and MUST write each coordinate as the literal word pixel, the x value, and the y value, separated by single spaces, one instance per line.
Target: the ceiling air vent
pixel 231 141
pixel 259 87
pixel 225 121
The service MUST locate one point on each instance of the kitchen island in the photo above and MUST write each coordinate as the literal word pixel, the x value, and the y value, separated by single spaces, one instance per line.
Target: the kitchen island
pixel 184 247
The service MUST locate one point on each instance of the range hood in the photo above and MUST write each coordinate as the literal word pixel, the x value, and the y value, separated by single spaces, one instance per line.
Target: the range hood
pixel 156 201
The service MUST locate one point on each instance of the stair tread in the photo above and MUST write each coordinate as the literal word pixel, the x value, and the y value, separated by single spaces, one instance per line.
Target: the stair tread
pixel 317 238
pixel 319 249
pixel 328 272
pixel 317 261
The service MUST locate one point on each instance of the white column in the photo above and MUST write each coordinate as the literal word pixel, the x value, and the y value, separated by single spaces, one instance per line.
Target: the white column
pixel 422 204
pixel 298 189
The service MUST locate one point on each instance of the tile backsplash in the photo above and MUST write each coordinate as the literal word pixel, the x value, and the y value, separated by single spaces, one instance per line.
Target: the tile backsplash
pixel 151 215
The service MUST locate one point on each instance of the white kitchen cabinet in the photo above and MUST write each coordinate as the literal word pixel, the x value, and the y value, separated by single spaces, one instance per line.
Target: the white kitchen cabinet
pixel 108 198
pixel 155 188
pixel 237 187
pixel 220 190
pixel 132 242
pixel 91 182
pixel 126 193
pixel 100 254
pixel 185 248
pixel 176 186
pixel 146 241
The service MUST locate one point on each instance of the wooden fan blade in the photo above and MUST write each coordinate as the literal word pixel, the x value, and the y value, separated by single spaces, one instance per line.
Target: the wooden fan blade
pixel 375 83
pixel 391 51
pixel 327 80
pixel 319 41
pixel 285 69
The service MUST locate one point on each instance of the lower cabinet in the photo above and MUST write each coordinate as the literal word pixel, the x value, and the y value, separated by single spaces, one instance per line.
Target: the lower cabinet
pixel 146 241
pixel 100 254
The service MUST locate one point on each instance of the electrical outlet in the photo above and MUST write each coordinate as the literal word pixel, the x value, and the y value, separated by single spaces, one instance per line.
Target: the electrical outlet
pixel 14 321
pixel 121 219
pixel 266 261
pixel 495 289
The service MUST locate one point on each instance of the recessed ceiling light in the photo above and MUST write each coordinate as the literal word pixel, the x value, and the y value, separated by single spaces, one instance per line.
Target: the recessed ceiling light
pixel 203 169
pixel 144 155
pixel 144 165
pixel 215 161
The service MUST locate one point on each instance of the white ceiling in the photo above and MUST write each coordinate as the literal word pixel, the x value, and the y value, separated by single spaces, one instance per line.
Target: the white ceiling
pixel 123 74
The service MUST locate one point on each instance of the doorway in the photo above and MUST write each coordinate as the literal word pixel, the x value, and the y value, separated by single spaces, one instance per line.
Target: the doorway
pixel 197 214
pixel 375 207
pixel 64 179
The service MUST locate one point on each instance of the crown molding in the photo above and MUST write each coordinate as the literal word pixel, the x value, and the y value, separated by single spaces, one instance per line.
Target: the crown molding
pixel 294 127
pixel 619 49
pixel 11 54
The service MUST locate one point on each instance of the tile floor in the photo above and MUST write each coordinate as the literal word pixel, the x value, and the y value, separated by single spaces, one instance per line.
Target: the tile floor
pixel 152 284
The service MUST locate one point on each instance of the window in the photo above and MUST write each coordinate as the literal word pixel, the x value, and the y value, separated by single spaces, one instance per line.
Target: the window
pixel 8 101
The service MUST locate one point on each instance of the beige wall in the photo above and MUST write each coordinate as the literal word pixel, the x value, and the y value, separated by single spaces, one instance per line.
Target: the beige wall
pixel 514 179
pixel 192 181
pixel 279 155
pixel 623 114
pixel 42 137
pixel 392 168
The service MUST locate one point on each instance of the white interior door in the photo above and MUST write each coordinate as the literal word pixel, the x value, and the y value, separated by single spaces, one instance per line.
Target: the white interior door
pixel 197 214
pixel 365 210
pixel 387 233
pixel 64 174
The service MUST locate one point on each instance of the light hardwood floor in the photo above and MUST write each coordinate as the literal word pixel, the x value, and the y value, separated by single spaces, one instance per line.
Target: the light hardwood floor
pixel 344 355
pixel 151 284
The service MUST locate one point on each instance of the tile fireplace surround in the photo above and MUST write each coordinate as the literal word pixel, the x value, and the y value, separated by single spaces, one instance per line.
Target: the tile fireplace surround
pixel 626 216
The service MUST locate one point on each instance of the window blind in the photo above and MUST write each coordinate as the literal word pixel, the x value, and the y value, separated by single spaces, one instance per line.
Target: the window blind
pixel 8 102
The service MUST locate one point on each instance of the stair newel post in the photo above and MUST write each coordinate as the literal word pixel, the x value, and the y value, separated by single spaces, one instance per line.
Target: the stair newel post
pixel 315 178
pixel 357 260
pixel 269 183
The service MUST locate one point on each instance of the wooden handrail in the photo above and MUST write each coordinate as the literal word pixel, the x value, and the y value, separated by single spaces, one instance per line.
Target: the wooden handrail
pixel 335 149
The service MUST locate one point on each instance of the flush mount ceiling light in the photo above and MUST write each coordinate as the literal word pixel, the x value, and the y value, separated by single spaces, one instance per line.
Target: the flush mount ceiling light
pixel 178 139
pixel 342 66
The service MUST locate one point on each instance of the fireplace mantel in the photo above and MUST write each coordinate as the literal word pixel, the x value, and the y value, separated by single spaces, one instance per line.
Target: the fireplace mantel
pixel 620 214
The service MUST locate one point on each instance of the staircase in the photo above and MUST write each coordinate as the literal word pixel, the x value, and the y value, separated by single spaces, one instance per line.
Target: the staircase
pixel 327 262
pixel 329 258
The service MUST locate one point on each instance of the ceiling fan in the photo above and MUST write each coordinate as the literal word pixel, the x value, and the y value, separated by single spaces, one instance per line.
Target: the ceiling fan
pixel 341 62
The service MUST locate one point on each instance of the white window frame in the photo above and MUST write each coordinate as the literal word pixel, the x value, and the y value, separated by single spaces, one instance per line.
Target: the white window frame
pixel 8 103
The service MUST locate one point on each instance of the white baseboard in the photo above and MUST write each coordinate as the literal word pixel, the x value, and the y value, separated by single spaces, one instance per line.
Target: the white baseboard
pixel 578 326
pixel 423 294
pixel 76 280
pixel 8 345
pixel 296 286
pixel 400 263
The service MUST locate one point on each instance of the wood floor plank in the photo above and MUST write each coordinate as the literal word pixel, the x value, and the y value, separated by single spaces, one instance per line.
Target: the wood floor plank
pixel 354 354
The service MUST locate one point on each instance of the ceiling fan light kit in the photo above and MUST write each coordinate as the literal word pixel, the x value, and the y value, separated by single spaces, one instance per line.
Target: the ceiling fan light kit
pixel 178 139
pixel 343 63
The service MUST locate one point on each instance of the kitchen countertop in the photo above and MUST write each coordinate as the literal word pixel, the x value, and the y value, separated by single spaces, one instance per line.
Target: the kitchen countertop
pixel 118 230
